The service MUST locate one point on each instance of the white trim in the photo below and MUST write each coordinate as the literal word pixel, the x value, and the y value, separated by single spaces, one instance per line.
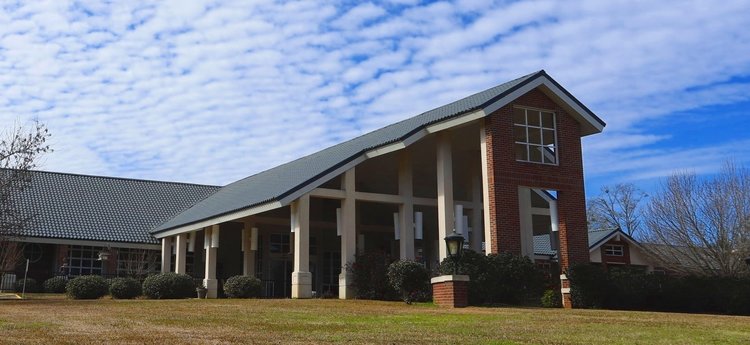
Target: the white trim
pixel 455 122
pixel 385 149
pixel 312 185
pixel 449 278
pixel 87 243
pixel 557 92
pixel 217 220
pixel 328 193
pixel 565 290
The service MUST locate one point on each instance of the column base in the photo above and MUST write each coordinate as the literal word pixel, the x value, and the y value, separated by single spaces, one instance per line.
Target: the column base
pixel 346 290
pixel 301 285
pixel 567 301
pixel 451 291
pixel 212 288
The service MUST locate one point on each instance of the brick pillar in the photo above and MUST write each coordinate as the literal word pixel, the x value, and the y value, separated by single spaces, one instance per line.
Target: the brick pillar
pixel 565 290
pixel 451 291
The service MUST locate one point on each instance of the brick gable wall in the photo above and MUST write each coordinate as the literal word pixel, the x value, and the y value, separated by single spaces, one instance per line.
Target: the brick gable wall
pixel 506 175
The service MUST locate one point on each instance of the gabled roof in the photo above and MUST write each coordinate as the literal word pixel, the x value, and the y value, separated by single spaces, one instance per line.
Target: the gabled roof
pixel 278 183
pixel 597 237
pixel 95 208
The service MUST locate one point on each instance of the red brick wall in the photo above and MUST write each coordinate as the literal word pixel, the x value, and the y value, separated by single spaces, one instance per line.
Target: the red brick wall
pixel 506 175
pixel 451 293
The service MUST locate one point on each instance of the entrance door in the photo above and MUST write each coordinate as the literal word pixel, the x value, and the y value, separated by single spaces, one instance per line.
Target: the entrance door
pixel 281 270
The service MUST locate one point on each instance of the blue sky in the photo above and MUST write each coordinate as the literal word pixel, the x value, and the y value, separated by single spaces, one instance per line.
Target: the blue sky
pixel 211 92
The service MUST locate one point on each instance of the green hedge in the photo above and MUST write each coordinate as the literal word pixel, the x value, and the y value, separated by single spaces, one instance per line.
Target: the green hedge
pixel 55 285
pixel 87 287
pixel 124 288
pixel 242 287
pixel 370 277
pixel 31 285
pixel 634 289
pixel 411 279
pixel 169 286
pixel 499 278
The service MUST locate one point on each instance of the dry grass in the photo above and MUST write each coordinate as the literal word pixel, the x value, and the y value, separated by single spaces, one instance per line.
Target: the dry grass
pixel 53 319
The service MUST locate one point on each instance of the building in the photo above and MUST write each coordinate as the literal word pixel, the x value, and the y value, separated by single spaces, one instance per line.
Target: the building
pixel 474 165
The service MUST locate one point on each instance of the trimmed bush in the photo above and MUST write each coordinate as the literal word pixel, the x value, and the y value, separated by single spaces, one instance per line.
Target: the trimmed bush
pixel 31 285
pixel 369 274
pixel 124 288
pixel 86 287
pixel 552 299
pixel 589 285
pixel 499 278
pixel 411 279
pixel 242 287
pixel 55 285
pixel 168 286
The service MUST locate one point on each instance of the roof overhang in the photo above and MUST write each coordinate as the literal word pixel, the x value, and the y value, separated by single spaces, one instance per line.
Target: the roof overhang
pixel 67 241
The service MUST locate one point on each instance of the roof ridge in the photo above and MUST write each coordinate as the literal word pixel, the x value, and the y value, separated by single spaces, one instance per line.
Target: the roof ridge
pixel 120 178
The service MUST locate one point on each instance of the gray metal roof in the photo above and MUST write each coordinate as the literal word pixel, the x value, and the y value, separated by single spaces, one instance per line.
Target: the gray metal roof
pixel 94 208
pixel 276 183
pixel 542 244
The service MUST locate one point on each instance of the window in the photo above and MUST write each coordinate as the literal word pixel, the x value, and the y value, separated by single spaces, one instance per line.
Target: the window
pixel 32 252
pixel 614 250
pixel 535 136
pixel 84 260
pixel 279 243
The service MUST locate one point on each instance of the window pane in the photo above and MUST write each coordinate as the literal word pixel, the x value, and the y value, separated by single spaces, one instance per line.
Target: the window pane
pixel 549 155
pixel 548 120
pixel 519 116
pixel 549 137
pixel 533 117
pixel 521 152
pixel 535 153
pixel 535 135
pixel 519 133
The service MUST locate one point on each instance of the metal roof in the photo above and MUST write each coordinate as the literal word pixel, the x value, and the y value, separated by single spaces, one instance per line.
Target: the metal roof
pixel 276 183
pixel 107 209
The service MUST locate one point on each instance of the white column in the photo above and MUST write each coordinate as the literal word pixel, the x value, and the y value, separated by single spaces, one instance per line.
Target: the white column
pixel 180 249
pixel 406 210
pixel 211 245
pixel 527 231
pixel 166 254
pixel 444 190
pixel 301 277
pixel 248 255
pixel 348 235
pixel 477 224
pixel 485 188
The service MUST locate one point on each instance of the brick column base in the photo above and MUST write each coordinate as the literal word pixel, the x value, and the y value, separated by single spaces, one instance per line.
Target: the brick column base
pixel 451 291
pixel 565 290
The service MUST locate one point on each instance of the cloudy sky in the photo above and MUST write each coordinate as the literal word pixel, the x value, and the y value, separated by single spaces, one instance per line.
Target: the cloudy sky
pixel 213 92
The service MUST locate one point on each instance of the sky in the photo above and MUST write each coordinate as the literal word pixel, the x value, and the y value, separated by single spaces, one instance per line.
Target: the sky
pixel 211 92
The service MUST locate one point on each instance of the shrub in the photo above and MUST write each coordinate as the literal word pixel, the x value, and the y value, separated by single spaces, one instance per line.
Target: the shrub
pixel 369 275
pixel 86 287
pixel 124 288
pixel 411 279
pixel 499 278
pixel 551 299
pixel 55 285
pixel 168 285
pixel 31 285
pixel 242 287
pixel 588 285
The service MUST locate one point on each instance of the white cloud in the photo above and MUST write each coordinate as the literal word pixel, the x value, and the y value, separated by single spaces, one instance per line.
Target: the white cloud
pixel 214 91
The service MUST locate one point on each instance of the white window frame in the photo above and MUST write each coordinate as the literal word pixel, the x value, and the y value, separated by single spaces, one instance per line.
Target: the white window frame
pixel 613 249
pixel 541 128
pixel 88 260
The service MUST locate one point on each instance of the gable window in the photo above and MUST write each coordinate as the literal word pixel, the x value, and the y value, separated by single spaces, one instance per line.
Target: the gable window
pixel 614 250
pixel 535 135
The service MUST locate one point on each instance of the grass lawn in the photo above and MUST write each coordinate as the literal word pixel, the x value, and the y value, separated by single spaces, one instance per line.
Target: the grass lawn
pixel 53 319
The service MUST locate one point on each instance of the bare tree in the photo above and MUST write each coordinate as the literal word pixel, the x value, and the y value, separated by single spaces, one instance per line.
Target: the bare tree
pixel 618 206
pixel 20 149
pixel 138 262
pixel 700 226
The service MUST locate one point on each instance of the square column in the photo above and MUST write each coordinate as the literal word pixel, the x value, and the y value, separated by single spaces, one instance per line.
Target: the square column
pixel 487 225
pixel 248 254
pixel 181 254
pixel 211 244
pixel 406 210
pixel 166 254
pixel 444 190
pixel 301 277
pixel 348 235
